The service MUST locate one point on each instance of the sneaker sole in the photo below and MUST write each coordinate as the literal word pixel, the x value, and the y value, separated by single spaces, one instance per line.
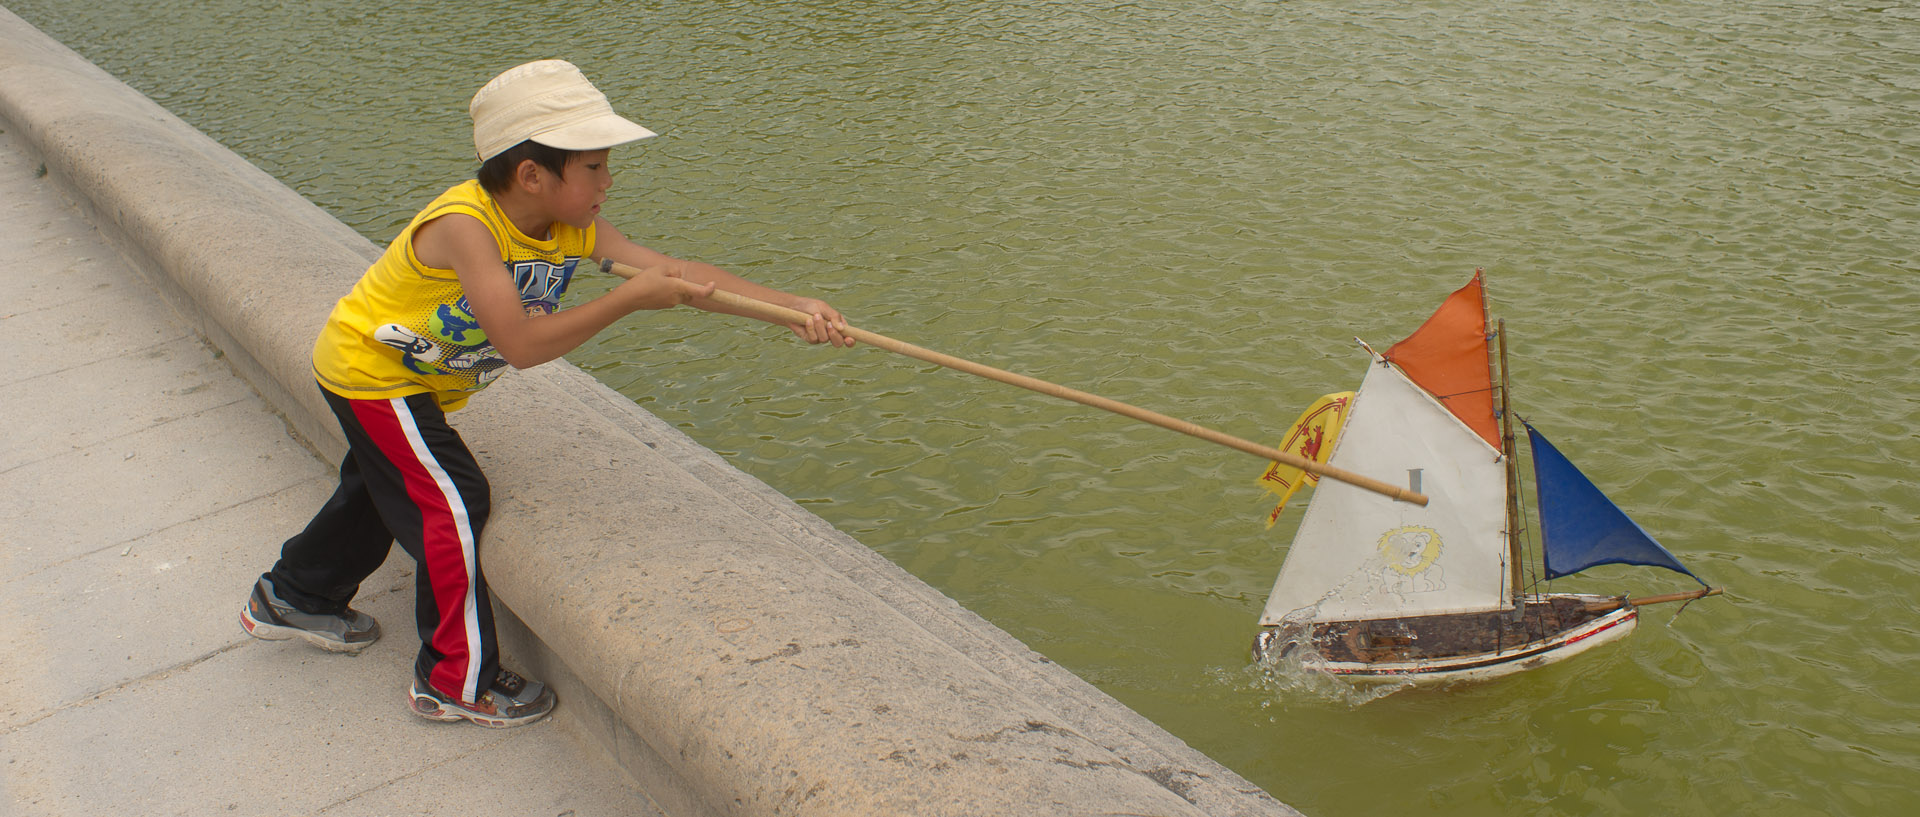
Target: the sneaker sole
pixel 429 707
pixel 267 631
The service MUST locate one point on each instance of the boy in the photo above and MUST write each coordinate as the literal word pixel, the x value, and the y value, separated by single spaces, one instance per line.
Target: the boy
pixel 470 287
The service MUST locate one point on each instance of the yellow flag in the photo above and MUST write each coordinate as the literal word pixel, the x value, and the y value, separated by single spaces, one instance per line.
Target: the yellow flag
pixel 1311 438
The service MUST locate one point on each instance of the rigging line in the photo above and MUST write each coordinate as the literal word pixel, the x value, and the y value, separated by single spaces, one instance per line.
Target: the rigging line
pixel 1528 541
pixel 1488 390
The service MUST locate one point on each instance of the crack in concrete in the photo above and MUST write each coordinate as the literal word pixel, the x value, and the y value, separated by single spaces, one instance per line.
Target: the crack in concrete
pixel 151 676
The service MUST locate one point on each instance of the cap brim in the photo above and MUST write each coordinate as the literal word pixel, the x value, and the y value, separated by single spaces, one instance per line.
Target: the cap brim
pixel 598 133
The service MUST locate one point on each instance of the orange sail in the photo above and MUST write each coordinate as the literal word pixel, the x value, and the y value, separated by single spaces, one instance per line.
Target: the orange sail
pixel 1447 356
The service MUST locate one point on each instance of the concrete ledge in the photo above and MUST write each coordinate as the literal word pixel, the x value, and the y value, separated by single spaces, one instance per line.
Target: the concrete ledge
pixel 734 652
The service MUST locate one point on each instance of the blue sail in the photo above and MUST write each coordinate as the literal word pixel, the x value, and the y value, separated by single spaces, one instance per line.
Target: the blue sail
pixel 1580 527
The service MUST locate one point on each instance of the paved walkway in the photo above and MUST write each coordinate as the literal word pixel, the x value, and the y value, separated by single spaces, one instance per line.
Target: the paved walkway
pixel 142 488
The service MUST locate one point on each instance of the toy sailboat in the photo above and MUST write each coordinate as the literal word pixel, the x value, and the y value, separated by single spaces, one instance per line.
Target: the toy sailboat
pixel 1378 590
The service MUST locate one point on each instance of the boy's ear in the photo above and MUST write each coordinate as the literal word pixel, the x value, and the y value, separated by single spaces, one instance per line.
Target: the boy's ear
pixel 526 174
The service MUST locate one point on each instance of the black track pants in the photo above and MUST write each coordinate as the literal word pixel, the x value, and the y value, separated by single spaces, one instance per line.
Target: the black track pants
pixel 407 477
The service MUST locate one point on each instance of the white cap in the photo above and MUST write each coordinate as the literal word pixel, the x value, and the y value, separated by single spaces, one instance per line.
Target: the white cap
pixel 549 102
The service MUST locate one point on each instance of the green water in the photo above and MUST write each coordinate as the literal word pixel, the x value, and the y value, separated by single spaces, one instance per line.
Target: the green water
pixel 1697 217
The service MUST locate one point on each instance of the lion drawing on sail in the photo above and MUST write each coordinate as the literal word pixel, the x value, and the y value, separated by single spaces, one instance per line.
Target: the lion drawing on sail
pixel 1411 556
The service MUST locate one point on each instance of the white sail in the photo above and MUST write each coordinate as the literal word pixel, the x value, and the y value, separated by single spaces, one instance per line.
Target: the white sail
pixel 1359 555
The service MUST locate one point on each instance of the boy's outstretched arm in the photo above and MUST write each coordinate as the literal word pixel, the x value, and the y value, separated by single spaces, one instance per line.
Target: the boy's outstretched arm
pixel 461 243
pixel 823 326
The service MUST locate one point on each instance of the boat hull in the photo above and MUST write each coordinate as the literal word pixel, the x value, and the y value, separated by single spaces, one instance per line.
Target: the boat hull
pixel 1446 649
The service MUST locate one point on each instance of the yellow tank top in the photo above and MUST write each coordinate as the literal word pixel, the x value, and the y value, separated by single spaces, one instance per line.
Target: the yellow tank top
pixel 406 329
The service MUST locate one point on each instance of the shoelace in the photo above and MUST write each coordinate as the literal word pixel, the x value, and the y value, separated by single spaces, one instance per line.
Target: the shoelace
pixel 509 682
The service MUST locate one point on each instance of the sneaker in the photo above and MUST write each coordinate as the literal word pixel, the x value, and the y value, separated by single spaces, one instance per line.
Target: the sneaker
pixel 269 617
pixel 511 701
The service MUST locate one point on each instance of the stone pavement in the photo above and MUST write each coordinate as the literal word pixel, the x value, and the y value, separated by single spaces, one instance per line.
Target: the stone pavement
pixel 143 486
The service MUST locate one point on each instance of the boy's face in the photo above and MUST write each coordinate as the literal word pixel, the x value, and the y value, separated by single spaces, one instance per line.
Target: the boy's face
pixel 575 197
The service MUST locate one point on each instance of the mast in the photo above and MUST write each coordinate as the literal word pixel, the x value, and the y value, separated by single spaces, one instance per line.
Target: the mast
pixel 1498 374
pixel 1513 469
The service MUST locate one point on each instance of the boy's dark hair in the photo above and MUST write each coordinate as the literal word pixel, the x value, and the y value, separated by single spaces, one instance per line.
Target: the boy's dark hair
pixel 496 174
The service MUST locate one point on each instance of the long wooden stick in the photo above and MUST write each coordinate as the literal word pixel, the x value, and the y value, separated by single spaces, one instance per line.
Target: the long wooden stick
pixel 783 315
